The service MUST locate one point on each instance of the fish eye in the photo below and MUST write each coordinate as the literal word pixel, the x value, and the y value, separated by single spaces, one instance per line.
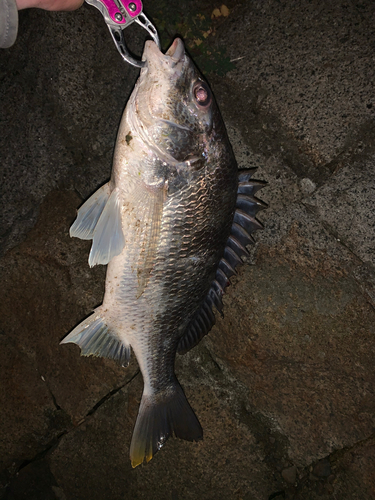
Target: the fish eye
pixel 202 94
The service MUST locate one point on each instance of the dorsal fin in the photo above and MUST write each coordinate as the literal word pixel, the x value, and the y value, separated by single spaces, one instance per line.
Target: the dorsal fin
pixel 244 223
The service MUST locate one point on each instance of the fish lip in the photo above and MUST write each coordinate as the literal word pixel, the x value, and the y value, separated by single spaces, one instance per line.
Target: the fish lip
pixel 174 55
pixel 176 51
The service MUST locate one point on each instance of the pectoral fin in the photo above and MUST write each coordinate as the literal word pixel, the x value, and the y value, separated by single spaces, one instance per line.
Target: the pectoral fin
pixel 108 238
pixel 89 214
pixel 117 219
pixel 99 219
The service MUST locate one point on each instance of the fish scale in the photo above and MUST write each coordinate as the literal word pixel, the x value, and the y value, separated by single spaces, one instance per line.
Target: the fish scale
pixel 172 224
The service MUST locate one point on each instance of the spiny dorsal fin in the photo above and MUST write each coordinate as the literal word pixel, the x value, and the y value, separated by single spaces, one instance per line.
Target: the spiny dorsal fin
pixel 244 223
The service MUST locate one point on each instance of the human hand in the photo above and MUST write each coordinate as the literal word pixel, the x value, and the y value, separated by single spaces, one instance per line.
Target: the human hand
pixel 49 4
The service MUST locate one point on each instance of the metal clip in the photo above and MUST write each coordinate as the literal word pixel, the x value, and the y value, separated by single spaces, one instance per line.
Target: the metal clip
pixel 119 14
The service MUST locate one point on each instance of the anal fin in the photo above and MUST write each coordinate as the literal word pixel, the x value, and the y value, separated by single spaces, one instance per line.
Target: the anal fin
pixel 96 338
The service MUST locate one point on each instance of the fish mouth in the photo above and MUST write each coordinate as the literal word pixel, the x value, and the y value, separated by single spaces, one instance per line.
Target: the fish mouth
pixel 174 56
pixel 176 51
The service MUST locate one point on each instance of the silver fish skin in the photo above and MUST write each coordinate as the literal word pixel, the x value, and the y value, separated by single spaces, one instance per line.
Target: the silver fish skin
pixel 161 223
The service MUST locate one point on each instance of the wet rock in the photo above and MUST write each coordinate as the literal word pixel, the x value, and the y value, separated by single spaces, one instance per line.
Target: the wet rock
pixel 45 387
pixel 225 461
pixel 34 482
pixel 290 474
pixel 322 468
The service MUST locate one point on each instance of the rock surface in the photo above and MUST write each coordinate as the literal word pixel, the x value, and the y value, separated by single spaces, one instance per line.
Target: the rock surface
pixel 284 384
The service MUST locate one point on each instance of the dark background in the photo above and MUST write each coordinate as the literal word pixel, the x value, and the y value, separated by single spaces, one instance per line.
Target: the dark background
pixel 284 385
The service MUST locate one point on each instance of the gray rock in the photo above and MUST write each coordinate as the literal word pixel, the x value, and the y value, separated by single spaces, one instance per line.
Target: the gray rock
pixel 346 203
pixel 310 64
pixel 308 186
pixel 56 88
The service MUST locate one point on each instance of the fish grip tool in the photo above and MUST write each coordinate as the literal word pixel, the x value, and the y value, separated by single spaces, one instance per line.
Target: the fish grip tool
pixel 118 15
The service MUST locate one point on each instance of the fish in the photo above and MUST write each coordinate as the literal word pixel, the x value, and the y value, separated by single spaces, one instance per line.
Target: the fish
pixel 172 223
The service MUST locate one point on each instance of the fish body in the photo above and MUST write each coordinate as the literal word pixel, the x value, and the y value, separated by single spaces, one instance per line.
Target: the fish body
pixel 164 224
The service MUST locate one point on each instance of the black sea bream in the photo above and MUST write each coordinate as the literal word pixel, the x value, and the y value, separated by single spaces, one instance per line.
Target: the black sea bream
pixel 172 224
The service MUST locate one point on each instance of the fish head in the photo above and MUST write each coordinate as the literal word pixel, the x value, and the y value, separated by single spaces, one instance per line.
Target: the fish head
pixel 174 104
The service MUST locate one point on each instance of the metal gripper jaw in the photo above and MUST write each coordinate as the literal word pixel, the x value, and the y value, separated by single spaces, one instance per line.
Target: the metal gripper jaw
pixel 118 15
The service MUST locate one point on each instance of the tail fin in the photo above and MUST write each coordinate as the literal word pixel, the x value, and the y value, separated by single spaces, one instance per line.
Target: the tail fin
pixel 160 416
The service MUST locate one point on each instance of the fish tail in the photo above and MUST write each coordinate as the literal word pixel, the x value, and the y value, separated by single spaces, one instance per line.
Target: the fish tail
pixel 96 338
pixel 160 416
